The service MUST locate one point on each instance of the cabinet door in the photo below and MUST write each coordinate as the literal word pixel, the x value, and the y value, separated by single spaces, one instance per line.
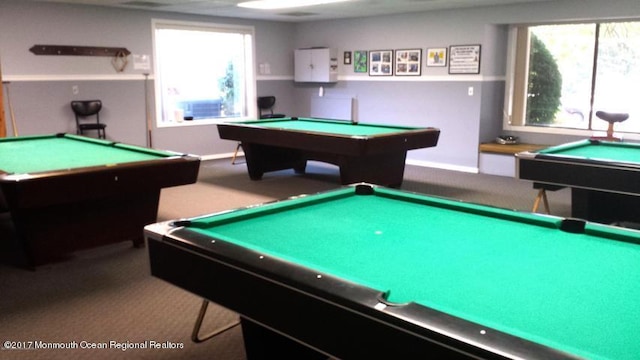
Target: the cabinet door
pixel 302 65
pixel 320 59
pixel 314 65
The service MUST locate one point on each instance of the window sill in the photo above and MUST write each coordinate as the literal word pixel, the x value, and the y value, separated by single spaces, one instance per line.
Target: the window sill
pixel 508 149
pixel 199 122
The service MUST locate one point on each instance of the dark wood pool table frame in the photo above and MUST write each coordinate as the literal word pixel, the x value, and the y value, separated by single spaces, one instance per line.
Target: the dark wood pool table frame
pixel 601 191
pixel 290 311
pixel 54 213
pixel 285 314
pixel 378 159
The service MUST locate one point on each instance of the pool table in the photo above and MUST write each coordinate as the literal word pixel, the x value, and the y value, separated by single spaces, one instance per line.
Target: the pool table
pixel 66 192
pixel 367 272
pixel 604 177
pixel 363 152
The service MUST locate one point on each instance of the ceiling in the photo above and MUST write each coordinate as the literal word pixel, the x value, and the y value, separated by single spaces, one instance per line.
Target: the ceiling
pixel 350 9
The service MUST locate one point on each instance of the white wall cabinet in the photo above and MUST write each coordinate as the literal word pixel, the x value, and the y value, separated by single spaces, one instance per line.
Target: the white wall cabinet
pixel 316 65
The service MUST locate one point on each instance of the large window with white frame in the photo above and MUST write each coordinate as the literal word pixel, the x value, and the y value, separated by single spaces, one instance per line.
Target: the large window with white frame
pixel 204 73
pixel 564 73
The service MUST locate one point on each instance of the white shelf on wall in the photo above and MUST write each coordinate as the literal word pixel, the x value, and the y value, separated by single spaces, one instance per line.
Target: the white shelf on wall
pixel 498 159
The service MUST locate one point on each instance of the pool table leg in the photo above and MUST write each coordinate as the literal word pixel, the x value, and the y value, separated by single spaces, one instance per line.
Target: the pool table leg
pixel 300 168
pixel 254 174
pixel 263 158
pixel 51 233
pixel 367 169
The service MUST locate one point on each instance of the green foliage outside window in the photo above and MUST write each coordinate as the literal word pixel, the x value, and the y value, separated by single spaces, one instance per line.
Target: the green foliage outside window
pixel 226 85
pixel 544 86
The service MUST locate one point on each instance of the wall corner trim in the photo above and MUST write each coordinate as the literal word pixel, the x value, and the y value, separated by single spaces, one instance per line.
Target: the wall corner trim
pixel 76 77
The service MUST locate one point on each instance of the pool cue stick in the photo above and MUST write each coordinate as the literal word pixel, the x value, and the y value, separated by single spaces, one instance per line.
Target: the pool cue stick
pixel 146 109
pixel 3 123
pixel 13 118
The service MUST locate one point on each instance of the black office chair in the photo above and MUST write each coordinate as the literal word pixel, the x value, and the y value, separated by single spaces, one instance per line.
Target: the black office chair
pixel 87 108
pixel 265 104
pixel 611 118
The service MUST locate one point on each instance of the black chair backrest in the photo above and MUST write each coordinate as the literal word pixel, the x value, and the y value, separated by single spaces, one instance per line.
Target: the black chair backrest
pixel 266 103
pixel 86 107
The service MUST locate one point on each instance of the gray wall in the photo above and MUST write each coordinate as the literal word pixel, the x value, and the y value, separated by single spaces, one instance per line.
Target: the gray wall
pixel 41 85
pixel 437 98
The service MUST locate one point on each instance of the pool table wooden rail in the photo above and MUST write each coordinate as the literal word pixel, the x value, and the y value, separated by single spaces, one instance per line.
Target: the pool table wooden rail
pixel 378 159
pixel 615 177
pixel 338 144
pixel 56 212
pixel 601 191
pixel 328 315
pixel 25 190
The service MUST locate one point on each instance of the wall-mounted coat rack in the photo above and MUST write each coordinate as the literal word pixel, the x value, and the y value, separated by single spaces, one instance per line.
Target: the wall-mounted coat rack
pixel 79 50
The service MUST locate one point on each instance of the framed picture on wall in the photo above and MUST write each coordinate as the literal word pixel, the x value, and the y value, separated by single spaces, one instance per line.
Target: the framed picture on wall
pixel 464 59
pixel 360 61
pixel 381 63
pixel 408 62
pixel 347 57
pixel 437 57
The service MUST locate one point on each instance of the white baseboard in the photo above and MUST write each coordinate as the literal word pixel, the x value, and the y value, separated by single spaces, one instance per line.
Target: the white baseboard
pixel 219 156
pixel 443 166
pixel 430 164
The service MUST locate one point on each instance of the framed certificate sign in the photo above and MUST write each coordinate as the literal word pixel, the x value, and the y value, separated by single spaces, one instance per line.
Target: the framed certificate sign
pixel 464 59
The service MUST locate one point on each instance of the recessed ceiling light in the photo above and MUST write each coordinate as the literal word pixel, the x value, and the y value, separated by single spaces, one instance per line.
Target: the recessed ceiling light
pixel 284 4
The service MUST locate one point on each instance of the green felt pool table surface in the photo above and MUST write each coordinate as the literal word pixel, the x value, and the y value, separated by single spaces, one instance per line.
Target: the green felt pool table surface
pixel 32 154
pixel 597 150
pixel 336 127
pixel 510 271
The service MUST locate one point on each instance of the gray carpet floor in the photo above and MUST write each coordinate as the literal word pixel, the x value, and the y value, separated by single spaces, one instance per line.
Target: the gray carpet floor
pixel 107 294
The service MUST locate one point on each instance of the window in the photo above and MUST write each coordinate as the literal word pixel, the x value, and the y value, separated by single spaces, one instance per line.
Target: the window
pixel 204 73
pixel 564 74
